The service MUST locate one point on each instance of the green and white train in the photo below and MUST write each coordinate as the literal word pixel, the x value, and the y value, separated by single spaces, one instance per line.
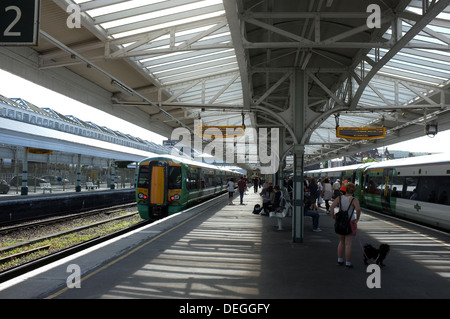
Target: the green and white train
pixel 167 184
pixel 415 188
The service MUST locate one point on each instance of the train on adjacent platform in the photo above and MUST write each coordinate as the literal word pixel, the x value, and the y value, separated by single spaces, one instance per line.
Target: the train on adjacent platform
pixel 415 188
pixel 168 184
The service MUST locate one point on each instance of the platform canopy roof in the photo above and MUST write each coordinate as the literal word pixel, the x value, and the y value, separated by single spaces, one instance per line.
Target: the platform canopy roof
pixel 234 62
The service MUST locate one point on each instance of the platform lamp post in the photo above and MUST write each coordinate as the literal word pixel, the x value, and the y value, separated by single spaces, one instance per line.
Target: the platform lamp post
pixel 24 188
pixel 78 186
pixel 113 174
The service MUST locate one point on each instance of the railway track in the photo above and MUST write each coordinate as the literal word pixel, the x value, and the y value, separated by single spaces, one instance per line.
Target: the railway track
pixel 53 220
pixel 31 245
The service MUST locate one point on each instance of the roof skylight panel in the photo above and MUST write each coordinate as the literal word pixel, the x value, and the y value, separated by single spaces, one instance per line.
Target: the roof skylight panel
pixel 199 73
pixel 418 67
pixel 154 20
pixel 175 13
pixel 166 63
pixel 113 10
pixel 195 65
pixel 120 32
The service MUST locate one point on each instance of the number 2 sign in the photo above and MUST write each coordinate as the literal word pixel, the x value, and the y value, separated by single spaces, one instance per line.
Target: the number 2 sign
pixel 19 22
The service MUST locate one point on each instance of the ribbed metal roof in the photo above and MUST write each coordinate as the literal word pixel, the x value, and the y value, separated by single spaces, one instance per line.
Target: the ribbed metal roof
pixel 184 45
pixel 235 62
pixel 409 89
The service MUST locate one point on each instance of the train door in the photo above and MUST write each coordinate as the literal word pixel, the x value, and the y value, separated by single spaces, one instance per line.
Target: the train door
pixel 386 190
pixel 158 188
pixel 359 185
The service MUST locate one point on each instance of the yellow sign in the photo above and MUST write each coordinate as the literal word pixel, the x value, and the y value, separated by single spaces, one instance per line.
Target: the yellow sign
pixel 361 133
pixel 220 131
pixel 38 151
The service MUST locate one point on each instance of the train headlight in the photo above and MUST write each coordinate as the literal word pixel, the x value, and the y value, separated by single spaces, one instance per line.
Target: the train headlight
pixel 142 196
pixel 175 197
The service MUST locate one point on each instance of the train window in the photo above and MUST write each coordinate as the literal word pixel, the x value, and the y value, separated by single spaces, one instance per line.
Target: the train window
pixel 374 183
pixel 410 188
pixel 174 177
pixel 397 187
pixel 143 179
pixel 192 180
pixel 208 177
pixel 426 190
pixel 434 189
pixel 443 192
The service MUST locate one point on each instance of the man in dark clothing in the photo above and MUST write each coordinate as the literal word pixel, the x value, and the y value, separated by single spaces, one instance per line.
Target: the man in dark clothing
pixel 241 186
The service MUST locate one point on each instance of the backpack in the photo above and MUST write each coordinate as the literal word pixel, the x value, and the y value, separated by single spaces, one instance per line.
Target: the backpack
pixel 256 209
pixel 342 225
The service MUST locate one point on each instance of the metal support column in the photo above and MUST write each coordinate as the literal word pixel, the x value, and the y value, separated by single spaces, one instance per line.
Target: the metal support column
pixel 299 208
pixel 300 103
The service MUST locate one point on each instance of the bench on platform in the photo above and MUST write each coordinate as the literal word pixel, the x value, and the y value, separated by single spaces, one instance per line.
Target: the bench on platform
pixel 282 211
pixel 46 187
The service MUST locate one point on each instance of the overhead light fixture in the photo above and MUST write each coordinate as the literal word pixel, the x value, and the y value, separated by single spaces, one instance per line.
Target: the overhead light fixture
pixel 122 88
pixel 431 130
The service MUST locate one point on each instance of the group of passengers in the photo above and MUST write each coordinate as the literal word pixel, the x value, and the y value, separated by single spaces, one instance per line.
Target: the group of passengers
pixel 323 191
pixel 315 192
pixel 271 198
pixel 342 196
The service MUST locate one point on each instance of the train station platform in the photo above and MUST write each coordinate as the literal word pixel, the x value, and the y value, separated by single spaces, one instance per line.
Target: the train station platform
pixel 224 251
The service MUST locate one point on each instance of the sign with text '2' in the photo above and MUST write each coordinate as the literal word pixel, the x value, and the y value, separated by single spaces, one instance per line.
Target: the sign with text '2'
pixel 19 22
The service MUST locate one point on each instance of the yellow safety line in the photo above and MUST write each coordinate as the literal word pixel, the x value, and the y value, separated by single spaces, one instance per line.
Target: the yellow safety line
pixel 407 229
pixel 417 233
pixel 56 294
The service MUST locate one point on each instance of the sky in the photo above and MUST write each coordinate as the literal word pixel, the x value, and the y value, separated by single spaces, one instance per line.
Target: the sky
pixel 13 87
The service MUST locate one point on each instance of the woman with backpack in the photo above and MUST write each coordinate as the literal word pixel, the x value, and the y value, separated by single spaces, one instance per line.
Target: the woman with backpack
pixel 349 204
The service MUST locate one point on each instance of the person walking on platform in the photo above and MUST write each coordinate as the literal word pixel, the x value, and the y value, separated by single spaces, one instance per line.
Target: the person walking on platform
pixel 336 188
pixel 255 184
pixel 230 186
pixel 242 185
pixel 327 193
pixel 350 204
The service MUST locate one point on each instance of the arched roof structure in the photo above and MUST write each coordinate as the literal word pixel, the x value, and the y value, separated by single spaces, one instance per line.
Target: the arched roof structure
pixel 165 64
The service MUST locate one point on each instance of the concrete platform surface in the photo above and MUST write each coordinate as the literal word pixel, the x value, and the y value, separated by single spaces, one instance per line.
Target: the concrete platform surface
pixel 224 251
